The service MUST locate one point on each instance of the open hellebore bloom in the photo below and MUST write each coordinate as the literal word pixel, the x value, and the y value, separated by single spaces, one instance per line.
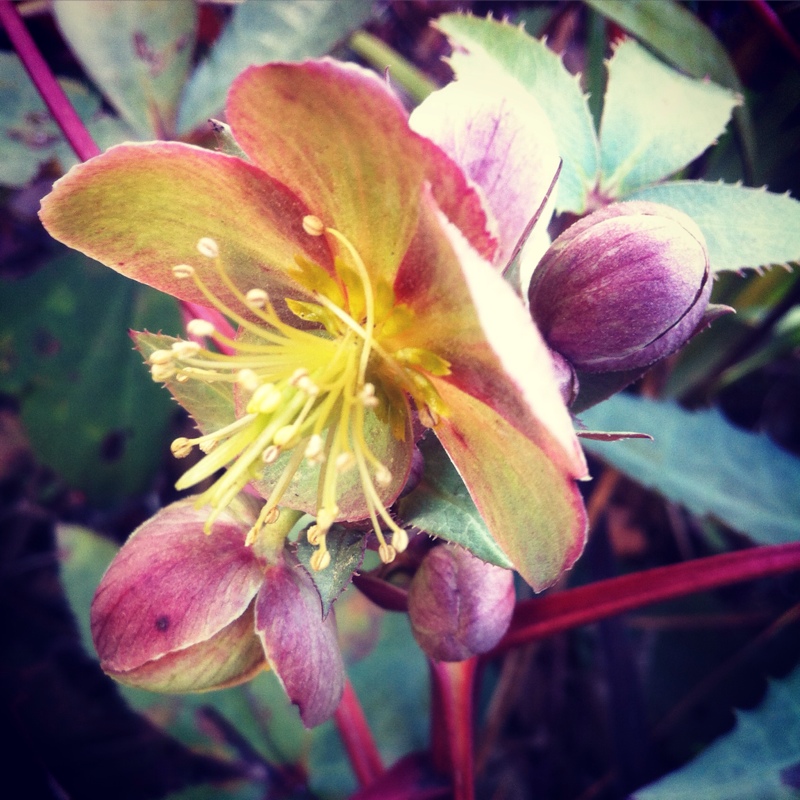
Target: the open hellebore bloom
pixel 622 287
pixel 356 260
pixel 178 611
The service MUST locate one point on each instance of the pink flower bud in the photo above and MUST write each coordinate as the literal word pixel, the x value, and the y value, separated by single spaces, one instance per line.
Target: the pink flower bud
pixel 458 605
pixel 623 287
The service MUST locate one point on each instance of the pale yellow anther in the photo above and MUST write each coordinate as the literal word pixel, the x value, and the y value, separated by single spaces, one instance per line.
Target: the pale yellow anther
pixel 283 436
pixel 183 271
pixel 162 372
pixel 186 349
pixel 182 377
pixel 207 247
pixel 428 417
pixel 400 540
pixel 367 396
pixel 320 559
pixel 344 461
pixel 314 449
pixel 270 455
pixel 387 553
pixel 315 535
pixel 305 384
pixel 200 327
pixel 247 379
pixel 181 447
pixel 313 226
pixel 266 398
pixel 161 357
pixel 256 298
pixel 383 477
pixel 297 375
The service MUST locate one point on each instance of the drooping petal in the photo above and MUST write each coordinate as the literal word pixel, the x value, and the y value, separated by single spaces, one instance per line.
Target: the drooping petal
pixel 301 647
pixel 141 209
pixel 503 141
pixel 171 587
pixel 338 136
pixel 534 512
pixel 467 314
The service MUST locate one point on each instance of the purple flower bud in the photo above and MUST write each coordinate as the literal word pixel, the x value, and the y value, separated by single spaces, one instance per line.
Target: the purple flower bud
pixel 623 287
pixel 458 605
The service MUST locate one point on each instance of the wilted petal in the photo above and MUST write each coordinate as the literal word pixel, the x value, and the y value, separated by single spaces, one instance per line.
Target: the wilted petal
pixel 141 209
pixel 458 605
pixel 503 141
pixel 301 647
pixel 171 587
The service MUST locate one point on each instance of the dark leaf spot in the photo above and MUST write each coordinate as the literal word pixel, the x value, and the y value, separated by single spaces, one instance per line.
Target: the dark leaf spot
pixel 112 447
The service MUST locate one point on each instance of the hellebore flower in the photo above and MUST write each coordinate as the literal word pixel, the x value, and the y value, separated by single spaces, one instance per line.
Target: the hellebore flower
pixel 458 605
pixel 178 611
pixel 355 259
pixel 622 287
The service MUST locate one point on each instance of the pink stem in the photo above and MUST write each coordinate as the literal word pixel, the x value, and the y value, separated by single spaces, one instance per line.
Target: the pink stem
pixel 776 27
pixel 452 687
pixel 357 738
pixel 555 613
pixel 51 92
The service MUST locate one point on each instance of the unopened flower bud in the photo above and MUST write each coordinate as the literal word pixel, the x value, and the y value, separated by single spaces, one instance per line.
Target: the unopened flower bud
pixel 623 287
pixel 459 605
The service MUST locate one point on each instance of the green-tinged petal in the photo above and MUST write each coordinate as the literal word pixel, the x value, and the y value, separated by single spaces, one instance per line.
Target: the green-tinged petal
pixel 230 657
pixel 467 314
pixel 171 587
pixel 534 511
pixel 335 134
pixel 141 209
pixel 503 140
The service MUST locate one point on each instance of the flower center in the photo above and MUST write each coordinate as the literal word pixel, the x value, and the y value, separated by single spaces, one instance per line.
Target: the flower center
pixel 306 396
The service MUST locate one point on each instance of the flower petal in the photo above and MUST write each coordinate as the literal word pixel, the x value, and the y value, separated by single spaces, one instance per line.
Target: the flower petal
pixel 171 586
pixel 467 314
pixel 338 136
pixel 301 647
pixel 503 141
pixel 533 510
pixel 141 209
pixel 230 657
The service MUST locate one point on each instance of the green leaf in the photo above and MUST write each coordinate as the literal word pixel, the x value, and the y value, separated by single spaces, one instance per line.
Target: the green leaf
pixel 90 409
pixel 210 404
pixel 137 52
pixel 281 30
pixel 655 120
pixel 28 135
pixel 754 760
pixel 700 460
pixel 481 45
pixel 347 552
pixel 743 227
pixel 440 505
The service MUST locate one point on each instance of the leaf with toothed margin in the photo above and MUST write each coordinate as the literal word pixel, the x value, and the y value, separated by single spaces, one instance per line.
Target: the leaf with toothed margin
pixel 440 505
pixel 744 228
pixel 210 404
pixel 347 552
pixel 481 45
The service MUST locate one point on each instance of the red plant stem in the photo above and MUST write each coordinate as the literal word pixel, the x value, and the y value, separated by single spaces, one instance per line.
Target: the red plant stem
pixel 776 27
pixel 357 738
pixel 555 613
pixel 452 687
pixel 48 87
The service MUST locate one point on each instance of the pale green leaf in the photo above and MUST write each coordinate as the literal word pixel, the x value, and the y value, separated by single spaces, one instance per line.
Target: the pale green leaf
pixel 210 404
pixel 280 30
pixel 347 552
pixel 90 409
pixel 749 763
pixel 440 505
pixel 483 45
pixel 700 460
pixel 655 120
pixel 28 135
pixel 743 227
pixel 138 52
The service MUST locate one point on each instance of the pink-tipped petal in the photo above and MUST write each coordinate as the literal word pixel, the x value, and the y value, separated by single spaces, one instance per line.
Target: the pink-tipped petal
pixel 301 647
pixel 503 141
